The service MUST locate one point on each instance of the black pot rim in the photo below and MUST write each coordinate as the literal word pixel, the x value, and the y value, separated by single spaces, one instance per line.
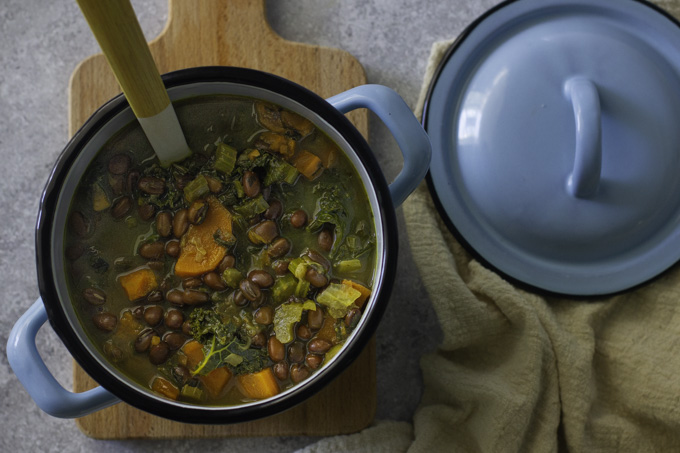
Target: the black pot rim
pixel 196 414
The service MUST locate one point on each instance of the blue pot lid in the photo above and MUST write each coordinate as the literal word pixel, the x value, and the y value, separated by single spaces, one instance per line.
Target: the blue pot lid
pixel 555 128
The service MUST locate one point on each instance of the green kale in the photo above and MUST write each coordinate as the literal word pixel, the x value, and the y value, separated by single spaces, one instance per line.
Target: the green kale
pixel 206 325
pixel 330 208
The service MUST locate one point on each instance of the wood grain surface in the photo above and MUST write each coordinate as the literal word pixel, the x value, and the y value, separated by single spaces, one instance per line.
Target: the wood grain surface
pixel 235 33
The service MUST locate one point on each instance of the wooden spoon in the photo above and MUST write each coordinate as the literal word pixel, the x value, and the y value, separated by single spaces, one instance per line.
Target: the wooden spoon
pixel 117 30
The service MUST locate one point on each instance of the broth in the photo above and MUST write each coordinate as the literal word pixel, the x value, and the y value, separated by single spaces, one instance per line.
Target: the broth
pixel 230 276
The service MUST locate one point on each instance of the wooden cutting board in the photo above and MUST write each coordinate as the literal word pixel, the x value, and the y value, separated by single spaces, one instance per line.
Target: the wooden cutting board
pixel 234 33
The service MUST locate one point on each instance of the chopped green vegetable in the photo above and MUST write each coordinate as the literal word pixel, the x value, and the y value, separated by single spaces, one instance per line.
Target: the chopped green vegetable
pixel 100 200
pixel 338 298
pixel 232 277
pixel 285 318
pixel 298 267
pixel 206 323
pixel 330 208
pixel 302 288
pixel 196 189
pixel 283 288
pixel 280 171
pixel 348 266
pixel 225 158
pixel 193 393
pixel 252 207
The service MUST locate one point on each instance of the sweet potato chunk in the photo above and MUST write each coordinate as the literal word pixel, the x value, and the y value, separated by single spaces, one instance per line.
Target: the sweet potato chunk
pixel 259 385
pixel 138 283
pixel 215 381
pixel 365 292
pixel 165 388
pixel 308 164
pixel 200 253
pixel 193 350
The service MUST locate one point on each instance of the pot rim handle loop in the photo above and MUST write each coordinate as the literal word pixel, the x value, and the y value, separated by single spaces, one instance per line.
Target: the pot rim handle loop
pixel 33 374
pixel 405 128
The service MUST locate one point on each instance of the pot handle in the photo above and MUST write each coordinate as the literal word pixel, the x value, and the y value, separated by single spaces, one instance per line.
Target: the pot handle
pixel 407 131
pixel 29 367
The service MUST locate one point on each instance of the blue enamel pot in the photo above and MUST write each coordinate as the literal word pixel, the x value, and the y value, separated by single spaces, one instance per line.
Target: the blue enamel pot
pixel 55 304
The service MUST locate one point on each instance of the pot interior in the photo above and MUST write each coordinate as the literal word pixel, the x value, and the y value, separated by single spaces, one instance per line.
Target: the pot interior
pixel 88 151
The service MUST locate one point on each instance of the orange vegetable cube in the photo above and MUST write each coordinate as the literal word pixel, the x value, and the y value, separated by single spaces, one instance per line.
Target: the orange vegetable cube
pixel 259 385
pixel 308 164
pixel 193 350
pixel 165 388
pixel 200 253
pixel 216 380
pixel 138 283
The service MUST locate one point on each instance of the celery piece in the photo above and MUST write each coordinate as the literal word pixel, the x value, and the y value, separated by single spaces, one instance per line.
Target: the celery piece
pixel 238 187
pixel 233 359
pixel 225 158
pixel 193 393
pixel 338 297
pixel 286 316
pixel 196 189
pixel 280 171
pixel 232 277
pixel 348 266
pixel 302 288
pixel 283 288
pixel 298 267
pixel 252 207
pixel 100 200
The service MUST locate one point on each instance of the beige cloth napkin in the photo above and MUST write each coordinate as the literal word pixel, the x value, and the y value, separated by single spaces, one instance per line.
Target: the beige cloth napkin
pixel 519 372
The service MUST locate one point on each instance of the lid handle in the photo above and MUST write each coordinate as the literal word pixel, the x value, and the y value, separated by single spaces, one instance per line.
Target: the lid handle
pixel 585 177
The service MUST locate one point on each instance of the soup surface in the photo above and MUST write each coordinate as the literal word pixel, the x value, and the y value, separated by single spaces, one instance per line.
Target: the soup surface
pixel 230 276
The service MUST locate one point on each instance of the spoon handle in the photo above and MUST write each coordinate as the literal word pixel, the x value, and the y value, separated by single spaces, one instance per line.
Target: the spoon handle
pixel 115 26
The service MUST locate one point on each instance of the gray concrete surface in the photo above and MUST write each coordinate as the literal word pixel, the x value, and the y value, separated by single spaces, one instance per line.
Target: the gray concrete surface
pixel 40 44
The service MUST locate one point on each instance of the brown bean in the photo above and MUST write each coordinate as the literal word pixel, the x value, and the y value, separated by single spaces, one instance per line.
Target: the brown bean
pixel 193 297
pixel 197 212
pixel 186 328
pixel 174 319
pixel 117 184
pixel 172 248
pixel 280 247
pixel 153 315
pixel 263 233
pixel 239 299
pixel 315 318
pixel 281 267
pixel 138 312
pixel 181 181
pixel 264 315
pixel 214 281
pixel 105 321
pixel 119 164
pixel 181 374
pixel 143 340
pixel 313 361
pixel 175 297
pixel 146 211
pixel 325 240
pixel 250 290
pixel 156 265
pixel 94 296
pixel 315 278
pixel 214 184
pixel 318 345
pixel 164 224
pixel 251 184
pixel 261 278
pixel 132 181
pixel 175 340
pixel 259 340
pixel 154 296
pixel 113 352
pixel 121 207
pixel 298 219
pixel 352 317
pixel 79 224
pixel 275 349
pixel 299 373
pixel 159 353
pixel 191 283
pixel 151 185
pixel 296 352
pixel 227 262
pixel 303 332
pixel 274 210
pixel 280 370
pixel 180 223
pixel 152 251
pixel 318 258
